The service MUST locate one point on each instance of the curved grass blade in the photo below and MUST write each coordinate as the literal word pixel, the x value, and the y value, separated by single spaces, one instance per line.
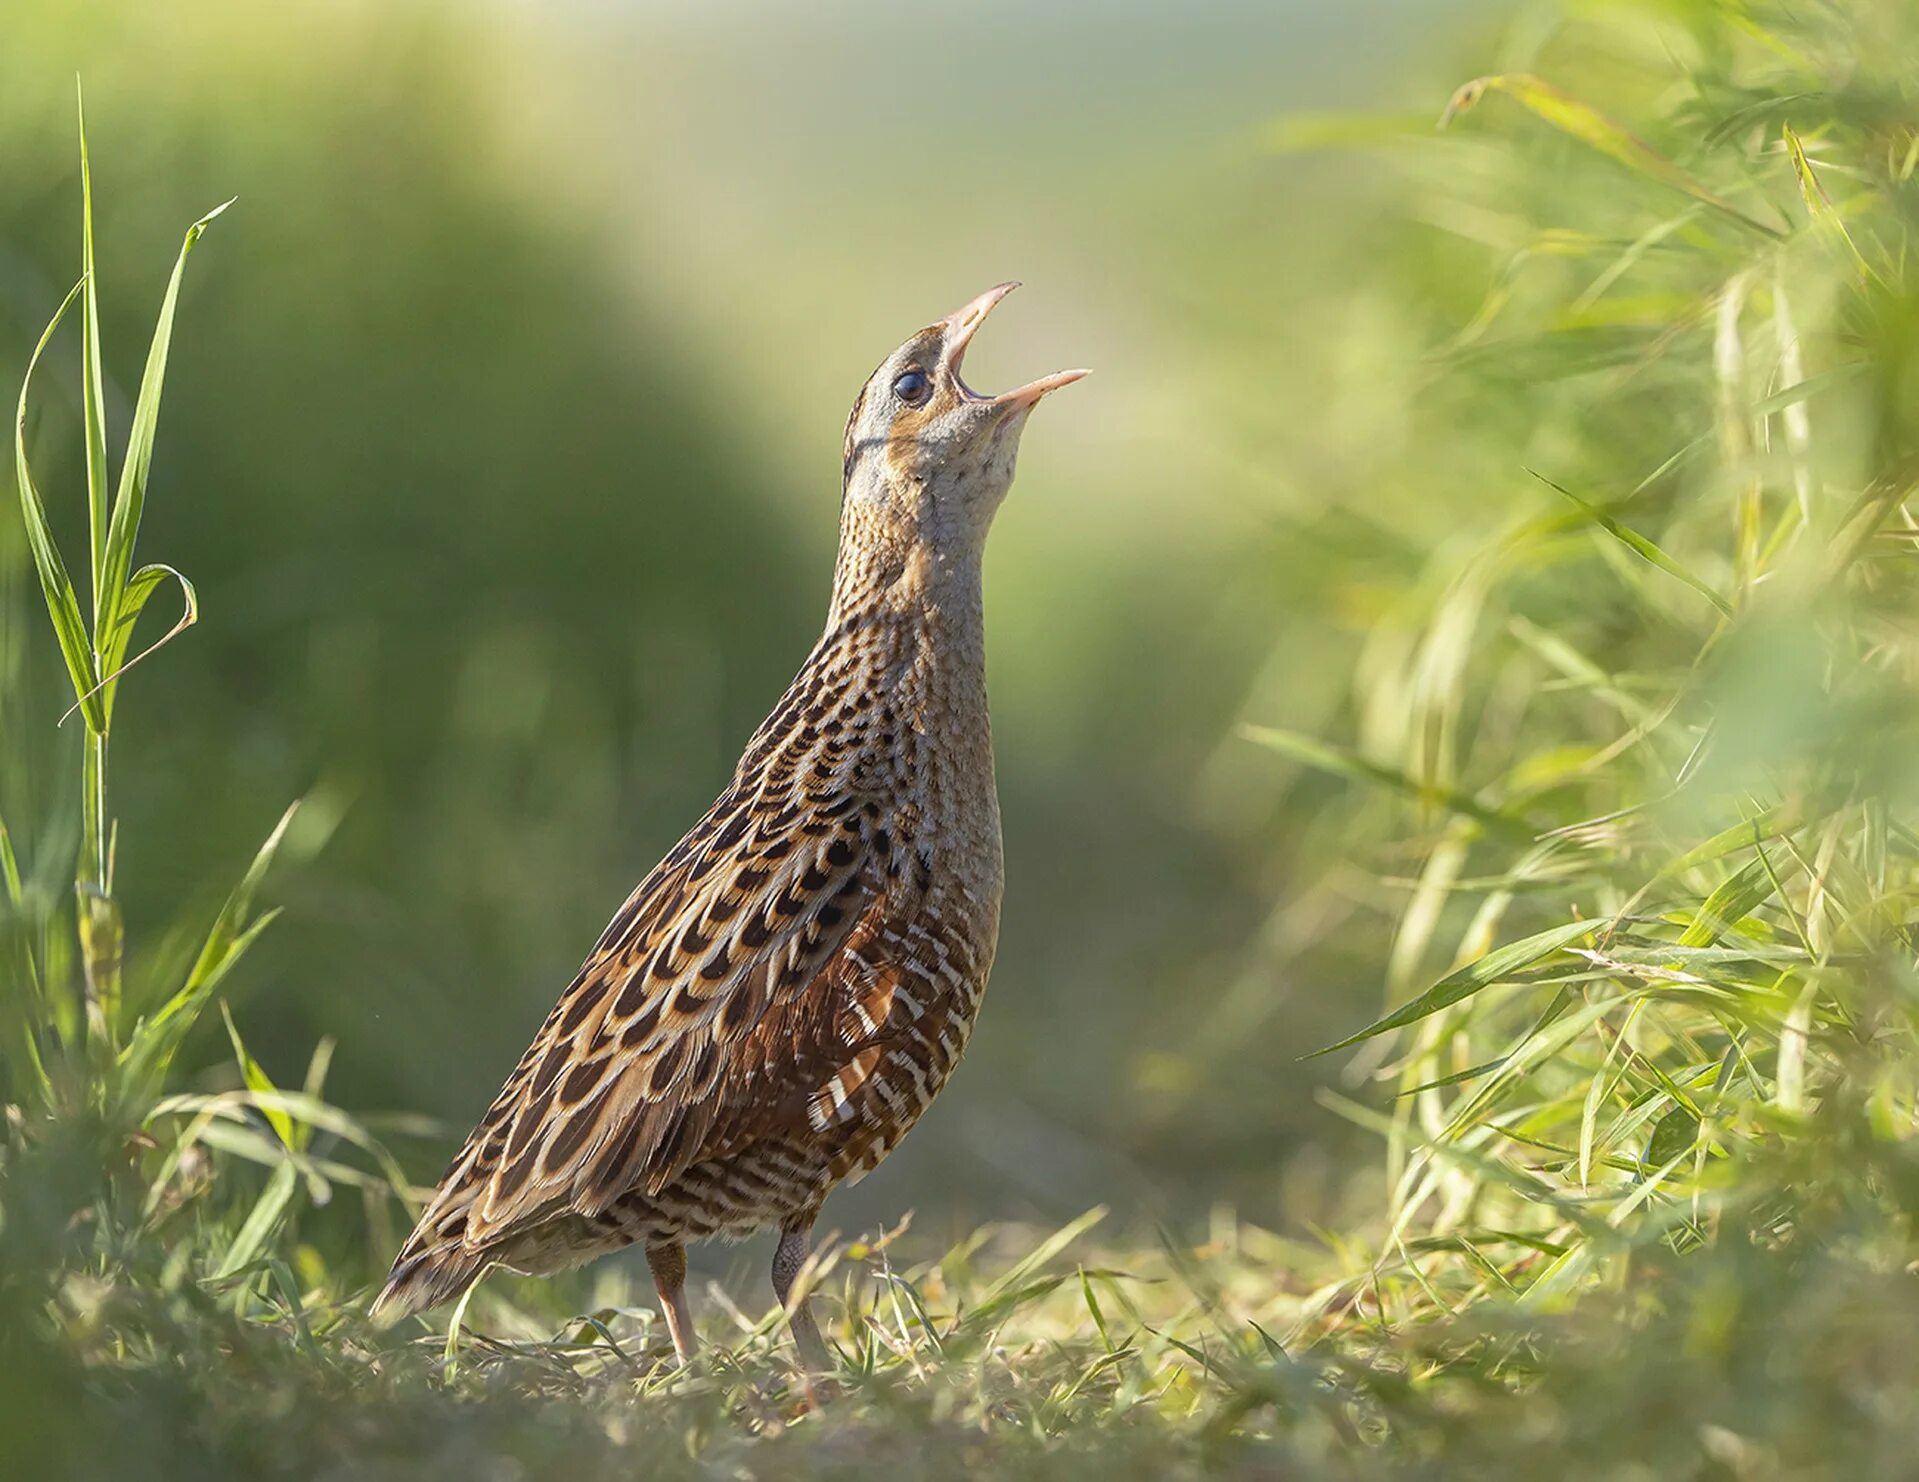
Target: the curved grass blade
pixel 1355 768
pixel 1592 128
pixel 130 500
pixel 1496 965
pixel 1819 204
pixel 1639 545
pixel 306 1110
pixel 62 605
pixel 1004 1292
pixel 139 589
pixel 261 1083
pixel 1885 494
pixel 1775 822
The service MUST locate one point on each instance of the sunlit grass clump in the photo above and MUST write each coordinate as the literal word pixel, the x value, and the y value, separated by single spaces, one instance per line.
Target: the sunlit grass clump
pixel 1623 801
pixel 1656 736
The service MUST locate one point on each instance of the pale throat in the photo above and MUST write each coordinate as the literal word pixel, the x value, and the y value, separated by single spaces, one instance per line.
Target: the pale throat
pixel 912 554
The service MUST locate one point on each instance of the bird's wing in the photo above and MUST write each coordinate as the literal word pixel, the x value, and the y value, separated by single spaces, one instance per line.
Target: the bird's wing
pixel 733 993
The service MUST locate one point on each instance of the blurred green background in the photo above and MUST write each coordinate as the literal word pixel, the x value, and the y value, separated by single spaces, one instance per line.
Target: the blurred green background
pixel 501 442
pixel 501 437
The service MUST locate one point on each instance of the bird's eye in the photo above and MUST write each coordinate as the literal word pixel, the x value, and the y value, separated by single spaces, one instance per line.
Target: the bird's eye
pixel 912 387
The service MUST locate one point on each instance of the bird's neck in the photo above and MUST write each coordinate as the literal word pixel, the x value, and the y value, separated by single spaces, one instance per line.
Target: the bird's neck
pixel 906 628
pixel 921 614
pixel 911 615
pixel 898 577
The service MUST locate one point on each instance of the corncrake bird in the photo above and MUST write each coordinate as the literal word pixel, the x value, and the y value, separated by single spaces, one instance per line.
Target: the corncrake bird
pixel 780 999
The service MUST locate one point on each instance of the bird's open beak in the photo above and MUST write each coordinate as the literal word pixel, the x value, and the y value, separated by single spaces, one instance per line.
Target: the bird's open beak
pixel 963 323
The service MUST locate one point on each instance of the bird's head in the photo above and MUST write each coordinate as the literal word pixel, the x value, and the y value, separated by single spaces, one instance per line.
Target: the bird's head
pixel 927 458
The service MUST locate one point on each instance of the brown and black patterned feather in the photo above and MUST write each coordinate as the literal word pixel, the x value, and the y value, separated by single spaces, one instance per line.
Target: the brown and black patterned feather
pixel 720 1004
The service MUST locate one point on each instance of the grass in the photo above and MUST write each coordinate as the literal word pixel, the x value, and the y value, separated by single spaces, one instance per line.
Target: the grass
pixel 1622 798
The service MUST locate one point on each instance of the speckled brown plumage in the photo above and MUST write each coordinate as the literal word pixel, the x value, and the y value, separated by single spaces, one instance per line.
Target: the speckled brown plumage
pixel 777 1003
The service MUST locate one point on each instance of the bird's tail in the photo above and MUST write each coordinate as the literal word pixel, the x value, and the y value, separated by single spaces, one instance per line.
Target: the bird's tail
pixel 426 1275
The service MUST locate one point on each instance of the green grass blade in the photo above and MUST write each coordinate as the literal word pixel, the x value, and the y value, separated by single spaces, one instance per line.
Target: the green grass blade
pixel 1639 545
pixel 228 926
pixel 1458 1077
pixel 1774 822
pixel 1887 492
pixel 92 397
pixel 145 581
pixel 1727 906
pixel 22 991
pixel 153 1042
pixel 151 1047
pixel 258 1080
pixel 261 1223
pixel 1355 768
pixel 1824 214
pixel 1023 1269
pixel 130 500
pixel 1802 391
pixel 62 605
pixel 1673 1135
pixel 1497 964
pixel 10 869
pixel 307 1111
pixel 1592 128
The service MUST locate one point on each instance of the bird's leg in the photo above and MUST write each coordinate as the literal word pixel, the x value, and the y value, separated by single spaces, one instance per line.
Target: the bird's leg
pixel 788 1258
pixel 668 1264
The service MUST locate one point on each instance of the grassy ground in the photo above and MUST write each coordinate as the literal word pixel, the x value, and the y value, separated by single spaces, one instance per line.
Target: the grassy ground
pixel 1619 809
